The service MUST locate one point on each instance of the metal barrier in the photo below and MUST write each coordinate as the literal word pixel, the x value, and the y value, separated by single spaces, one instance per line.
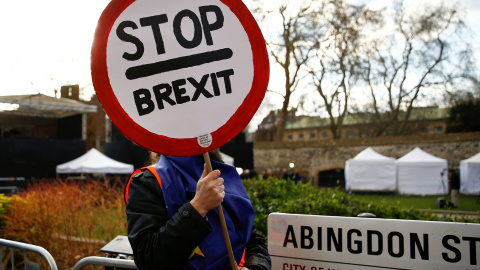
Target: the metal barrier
pixel 94 260
pixel 122 263
pixel 41 252
pixel 9 190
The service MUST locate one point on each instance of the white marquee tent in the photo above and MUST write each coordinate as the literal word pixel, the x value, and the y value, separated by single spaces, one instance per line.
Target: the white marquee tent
pixel 420 173
pixel 94 162
pixel 227 159
pixel 470 175
pixel 370 171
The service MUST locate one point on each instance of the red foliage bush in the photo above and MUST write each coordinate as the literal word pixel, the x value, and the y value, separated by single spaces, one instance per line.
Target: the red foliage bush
pixel 71 220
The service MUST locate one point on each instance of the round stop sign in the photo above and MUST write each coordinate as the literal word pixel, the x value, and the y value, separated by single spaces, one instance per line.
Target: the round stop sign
pixel 179 77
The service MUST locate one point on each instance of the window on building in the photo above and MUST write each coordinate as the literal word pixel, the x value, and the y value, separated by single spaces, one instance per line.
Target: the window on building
pixel 423 130
pixel 313 136
pixel 289 138
pixel 325 135
pixel 438 129
pixel 300 137
pixel 350 134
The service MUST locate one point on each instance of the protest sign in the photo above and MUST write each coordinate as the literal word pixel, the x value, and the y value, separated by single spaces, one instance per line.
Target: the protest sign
pixel 179 77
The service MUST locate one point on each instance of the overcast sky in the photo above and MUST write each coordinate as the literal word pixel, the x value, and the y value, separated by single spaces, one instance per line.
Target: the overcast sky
pixel 46 43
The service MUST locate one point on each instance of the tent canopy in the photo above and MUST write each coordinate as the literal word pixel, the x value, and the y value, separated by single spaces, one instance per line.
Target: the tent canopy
pixel 470 175
pixel 94 162
pixel 370 171
pixel 227 159
pixel 421 173
pixel 474 159
pixel 418 156
pixel 370 155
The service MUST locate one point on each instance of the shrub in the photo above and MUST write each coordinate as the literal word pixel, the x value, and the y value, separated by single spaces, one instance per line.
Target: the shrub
pixel 74 220
pixel 4 204
pixel 273 195
pixel 70 220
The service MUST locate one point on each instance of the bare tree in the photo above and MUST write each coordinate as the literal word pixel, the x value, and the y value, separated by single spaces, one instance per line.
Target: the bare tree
pixel 291 46
pixel 337 64
pixel 425 55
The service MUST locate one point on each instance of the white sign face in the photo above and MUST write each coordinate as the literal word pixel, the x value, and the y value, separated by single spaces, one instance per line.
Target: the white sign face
pixel 179 77
pixel 173 65
pixel 304 242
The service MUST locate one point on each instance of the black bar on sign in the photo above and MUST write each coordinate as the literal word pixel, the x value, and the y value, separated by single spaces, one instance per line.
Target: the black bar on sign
pixel 146 70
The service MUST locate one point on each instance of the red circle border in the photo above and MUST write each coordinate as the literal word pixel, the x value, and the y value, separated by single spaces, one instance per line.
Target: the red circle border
pixel 163 144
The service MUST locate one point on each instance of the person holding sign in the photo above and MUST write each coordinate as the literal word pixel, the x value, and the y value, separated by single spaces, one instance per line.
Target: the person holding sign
pixel 174 81
pixel 173 222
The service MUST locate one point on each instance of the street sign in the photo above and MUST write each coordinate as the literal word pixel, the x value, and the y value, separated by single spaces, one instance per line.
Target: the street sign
pixel 308 242
pixel 179 77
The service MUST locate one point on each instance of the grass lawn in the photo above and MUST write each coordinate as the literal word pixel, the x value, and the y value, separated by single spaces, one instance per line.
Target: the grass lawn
pixel 466 203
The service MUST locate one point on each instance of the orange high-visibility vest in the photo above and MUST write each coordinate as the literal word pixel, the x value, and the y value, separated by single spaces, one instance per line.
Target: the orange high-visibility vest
pixel 151 169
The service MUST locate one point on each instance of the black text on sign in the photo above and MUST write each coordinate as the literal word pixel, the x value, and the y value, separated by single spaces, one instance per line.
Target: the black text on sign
pixel 174 92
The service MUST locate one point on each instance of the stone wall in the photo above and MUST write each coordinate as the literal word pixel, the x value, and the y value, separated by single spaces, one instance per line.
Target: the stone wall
pixel 310 158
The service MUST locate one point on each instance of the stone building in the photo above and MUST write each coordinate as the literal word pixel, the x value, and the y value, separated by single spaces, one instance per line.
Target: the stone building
pixel 322 162
pixel 429 120
pixel 268 127
pixel 310 148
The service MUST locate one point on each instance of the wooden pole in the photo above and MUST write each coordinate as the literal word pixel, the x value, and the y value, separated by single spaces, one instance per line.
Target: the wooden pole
pixel 222 219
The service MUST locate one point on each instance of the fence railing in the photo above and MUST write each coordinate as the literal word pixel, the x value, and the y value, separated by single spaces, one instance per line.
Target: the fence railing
pixel 112 262
pixel 41 252
pixel 26 248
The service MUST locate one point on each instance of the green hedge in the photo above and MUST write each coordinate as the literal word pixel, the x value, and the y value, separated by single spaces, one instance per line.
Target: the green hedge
pixel 273 195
